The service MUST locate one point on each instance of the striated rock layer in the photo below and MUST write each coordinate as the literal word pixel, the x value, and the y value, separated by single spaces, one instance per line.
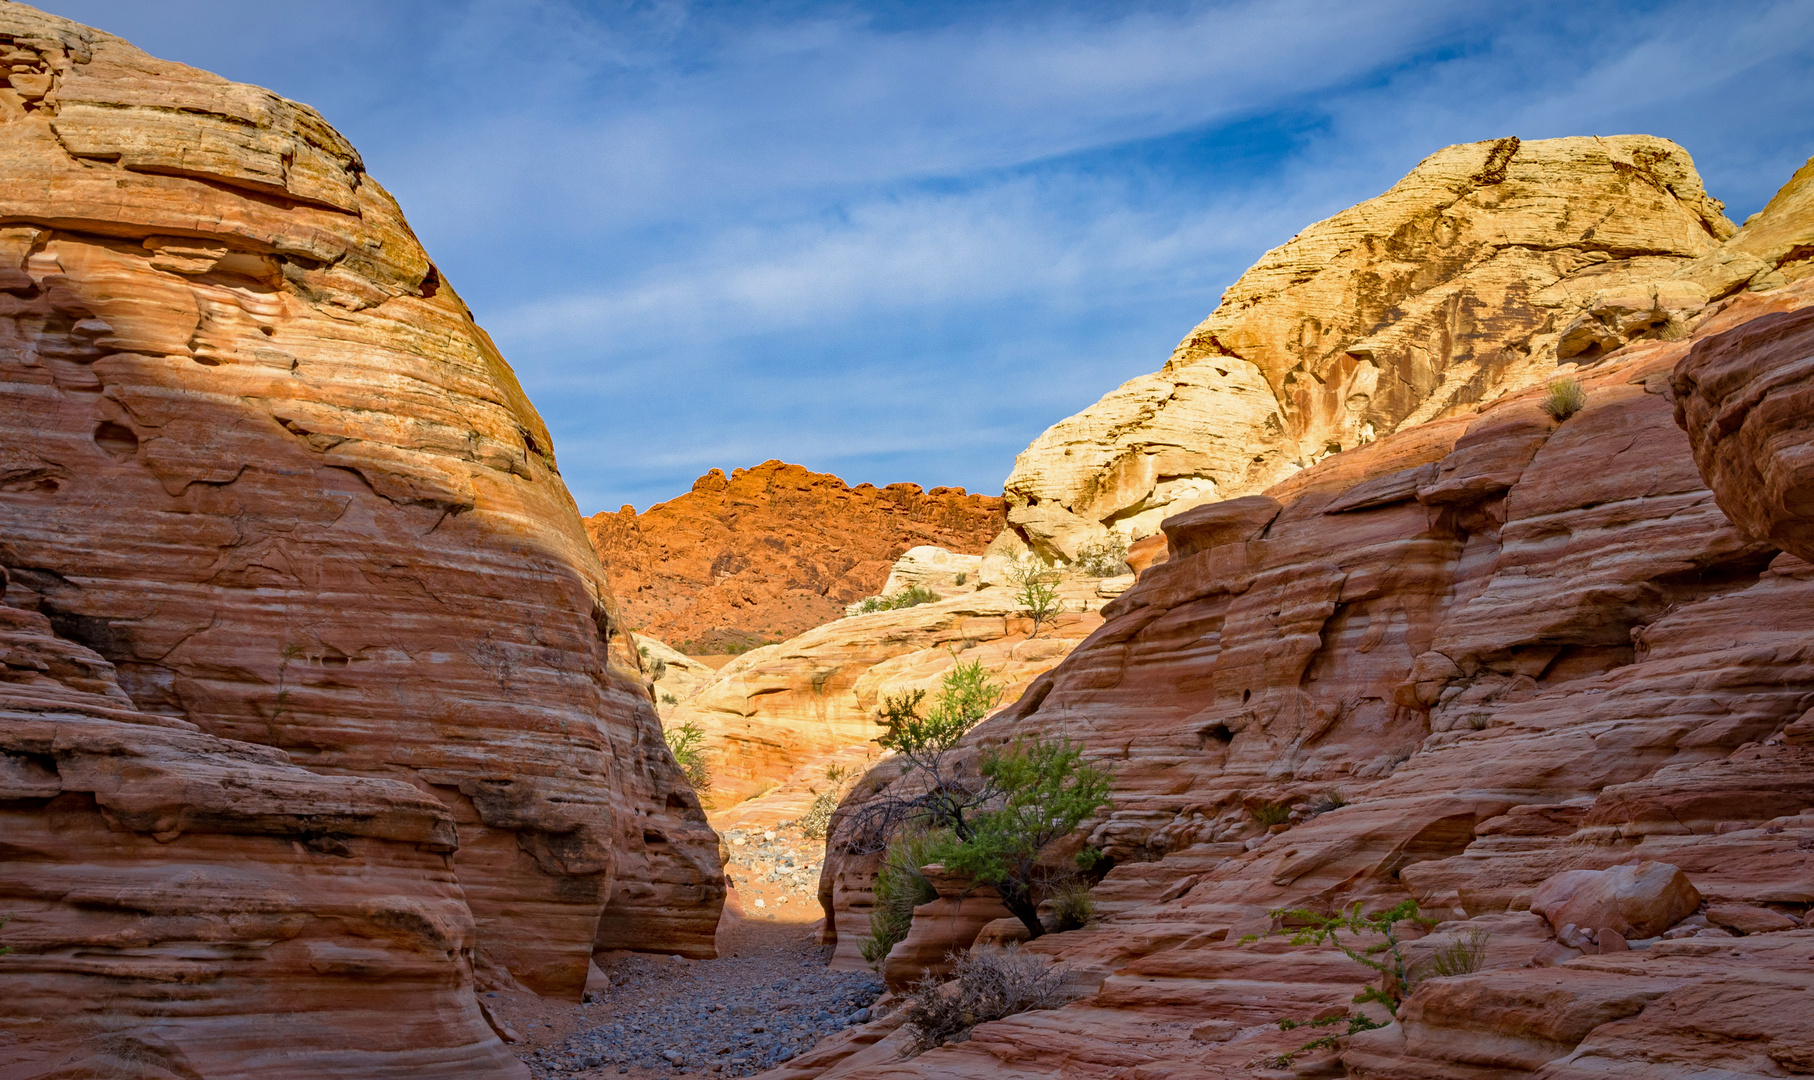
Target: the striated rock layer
pixel 769 553
pixel 1469 279
pixel 353 708
pixel 1471 656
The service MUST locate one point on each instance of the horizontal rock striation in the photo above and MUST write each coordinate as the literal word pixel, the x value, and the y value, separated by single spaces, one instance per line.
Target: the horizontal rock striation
pixel 260 467
pixel 185 905
pixel 1449 666
pixel 770 552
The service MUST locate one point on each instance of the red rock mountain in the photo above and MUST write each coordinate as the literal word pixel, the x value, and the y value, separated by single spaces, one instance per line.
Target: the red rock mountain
pixel 314 707
pixel 773 551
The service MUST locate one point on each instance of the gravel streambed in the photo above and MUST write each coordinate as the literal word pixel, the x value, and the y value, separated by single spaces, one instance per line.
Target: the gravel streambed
pixel 733 1016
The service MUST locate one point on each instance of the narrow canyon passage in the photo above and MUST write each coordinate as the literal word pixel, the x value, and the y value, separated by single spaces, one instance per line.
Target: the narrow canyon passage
pixel 766 999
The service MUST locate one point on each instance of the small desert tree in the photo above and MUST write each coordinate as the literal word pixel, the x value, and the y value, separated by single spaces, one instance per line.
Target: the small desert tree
pixel 1036 590
pixel 925 742
pixel 1042 790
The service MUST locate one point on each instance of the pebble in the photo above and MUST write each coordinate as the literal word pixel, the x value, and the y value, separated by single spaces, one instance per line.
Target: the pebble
pixel 730 1017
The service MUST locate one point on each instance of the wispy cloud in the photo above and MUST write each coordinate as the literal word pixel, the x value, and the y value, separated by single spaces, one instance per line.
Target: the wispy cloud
pixel 898 240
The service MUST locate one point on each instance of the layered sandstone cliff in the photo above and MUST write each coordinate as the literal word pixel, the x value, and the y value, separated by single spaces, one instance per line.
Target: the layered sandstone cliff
pixel 1469 279
pixel 1472 656
pixel 344 712
pixel 771 552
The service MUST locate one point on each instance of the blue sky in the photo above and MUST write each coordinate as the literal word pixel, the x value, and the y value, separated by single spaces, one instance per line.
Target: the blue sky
pixel 896 241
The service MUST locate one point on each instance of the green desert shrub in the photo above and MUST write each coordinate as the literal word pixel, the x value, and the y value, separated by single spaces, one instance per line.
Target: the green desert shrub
pixel 1036 590
pixel 1040 791
pixel 900 887
pixel 687 744
pixel 1105 559
pixel 1269 816
pixel 911 596
pixel 1565 398
pixel 1073 905
pixel 1463 956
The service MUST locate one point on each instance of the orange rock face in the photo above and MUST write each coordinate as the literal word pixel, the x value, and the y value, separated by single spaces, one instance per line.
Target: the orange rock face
pixel 1468 657
pixel 354 713
pixel 773 551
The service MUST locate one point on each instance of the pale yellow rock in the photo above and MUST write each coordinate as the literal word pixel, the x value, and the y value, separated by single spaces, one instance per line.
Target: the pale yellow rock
pixel 933 568
pixel 671 673
pixel 782 707
pixel 1775 247
pixel 1451 288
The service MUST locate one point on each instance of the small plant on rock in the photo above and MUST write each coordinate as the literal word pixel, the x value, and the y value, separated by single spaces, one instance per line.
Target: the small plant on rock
pixel 1073 905
pixel 1386 957
pixel 4 919
pixel 1464 956
pixel 1565 398
pixel 687 744
pixel 911 596
pixel 899 888
pixel 816 822
pixel 669 699
pixel 1036 591
pixel 988 983
pixel 1276 814
pixel 1106 559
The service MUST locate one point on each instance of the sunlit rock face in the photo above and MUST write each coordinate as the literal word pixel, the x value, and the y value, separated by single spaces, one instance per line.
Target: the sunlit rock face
pixel 768 553
pixel 267 490
pixel 1452 666
pixel 779 708
pixel 1468 280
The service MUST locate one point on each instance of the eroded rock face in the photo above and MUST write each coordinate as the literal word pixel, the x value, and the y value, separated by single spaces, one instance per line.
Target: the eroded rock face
pixel 1469 657
pixel 1467 280
pixel 779 708
pixel 771 552
pixel 1746 399
pixel 144 855
pixel 257 460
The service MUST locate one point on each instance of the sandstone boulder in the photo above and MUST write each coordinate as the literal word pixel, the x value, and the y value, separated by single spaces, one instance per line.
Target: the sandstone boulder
pixel 1637 900
pixel 933 568
pixel 1750 918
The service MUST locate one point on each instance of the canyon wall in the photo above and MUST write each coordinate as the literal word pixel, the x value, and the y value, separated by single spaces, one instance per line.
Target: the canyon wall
pixel 1469 279
pixel 1470 656
pixel 770 552
pixel 315 707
